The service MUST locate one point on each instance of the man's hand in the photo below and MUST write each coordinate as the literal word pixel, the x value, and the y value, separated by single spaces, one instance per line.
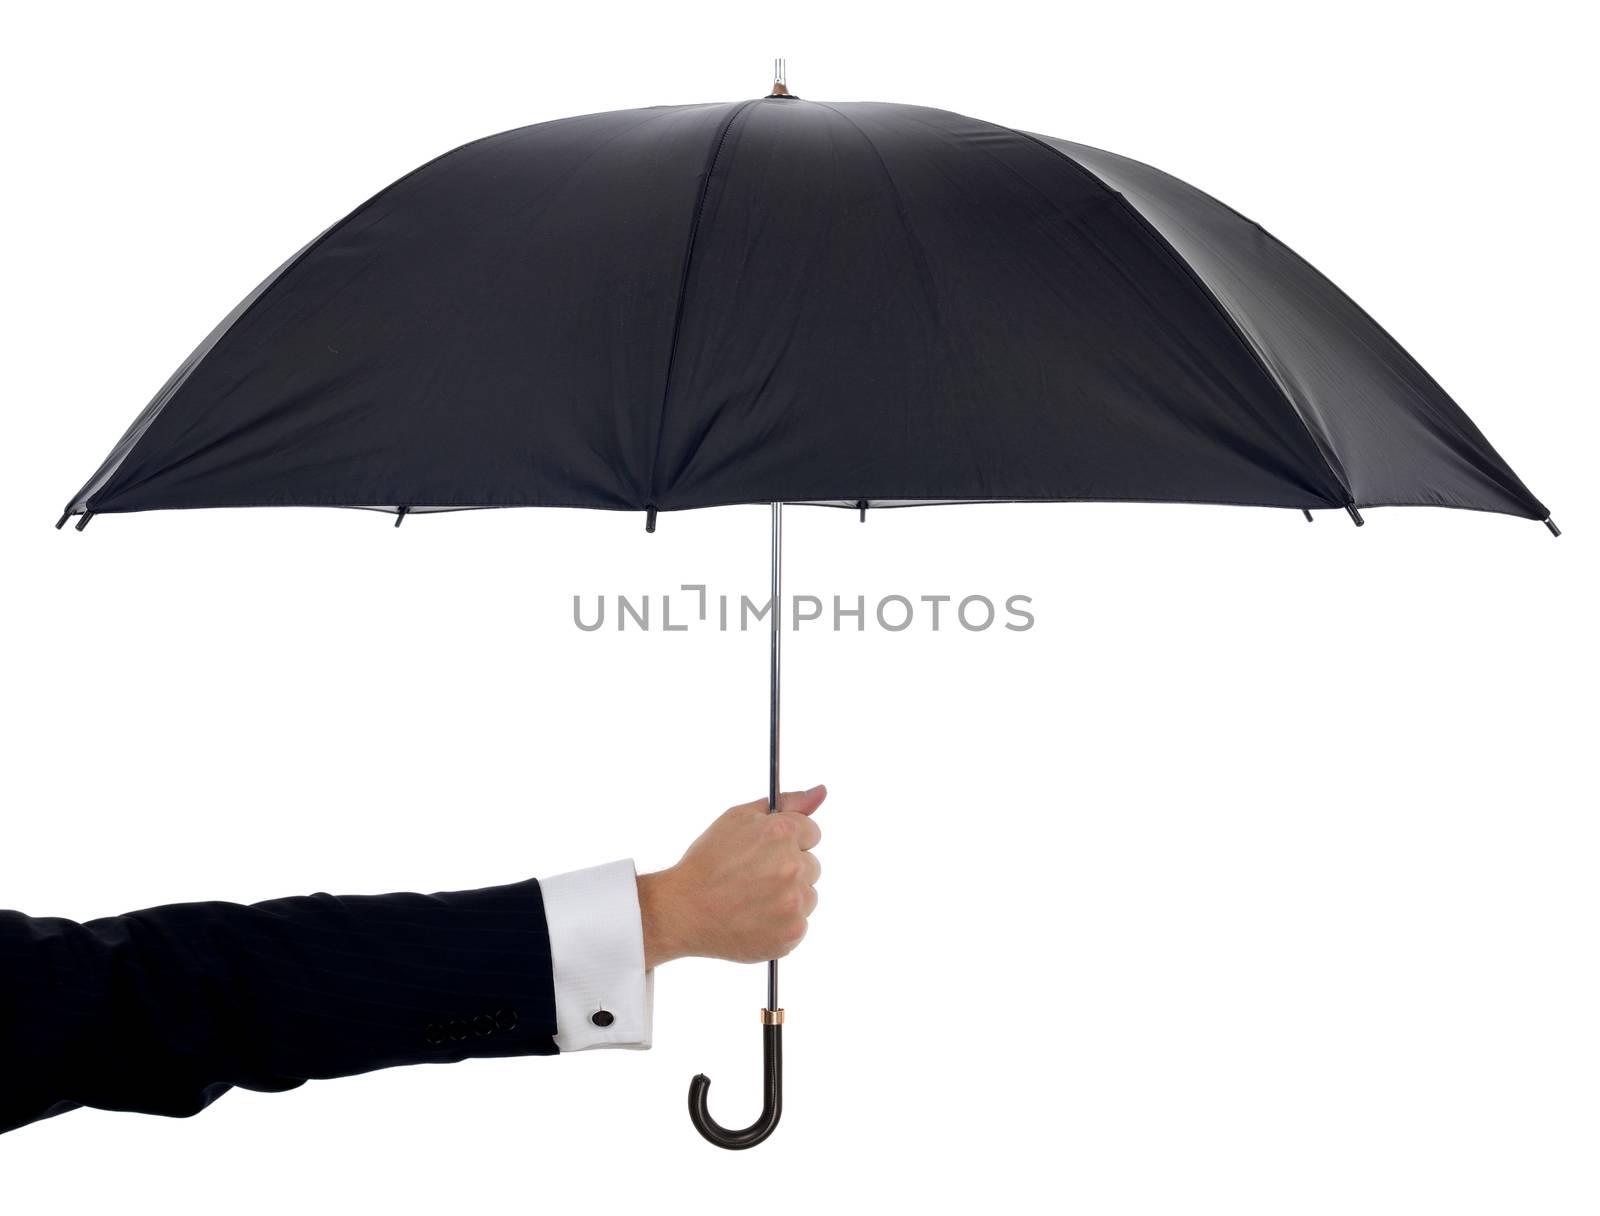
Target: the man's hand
pixel 744 889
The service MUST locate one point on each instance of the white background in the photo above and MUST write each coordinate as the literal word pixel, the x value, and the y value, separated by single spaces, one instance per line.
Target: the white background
pixel 1259 877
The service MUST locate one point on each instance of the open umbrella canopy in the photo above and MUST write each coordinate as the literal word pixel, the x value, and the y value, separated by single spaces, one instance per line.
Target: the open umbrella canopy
pixel 790 300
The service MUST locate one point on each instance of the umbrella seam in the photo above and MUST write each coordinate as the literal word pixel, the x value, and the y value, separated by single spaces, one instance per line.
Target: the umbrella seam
pixel 1228 318
pixel 930 290
pixel 683 286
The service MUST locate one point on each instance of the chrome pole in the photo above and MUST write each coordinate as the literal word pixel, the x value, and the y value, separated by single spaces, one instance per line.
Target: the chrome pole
pixel 777 666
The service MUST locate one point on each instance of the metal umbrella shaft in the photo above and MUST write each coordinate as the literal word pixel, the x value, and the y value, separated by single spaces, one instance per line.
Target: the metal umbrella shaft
pixel 775 610
pixel 772 1015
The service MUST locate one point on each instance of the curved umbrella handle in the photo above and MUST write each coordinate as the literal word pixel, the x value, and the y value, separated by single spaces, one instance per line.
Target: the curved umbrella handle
pixel 771 1095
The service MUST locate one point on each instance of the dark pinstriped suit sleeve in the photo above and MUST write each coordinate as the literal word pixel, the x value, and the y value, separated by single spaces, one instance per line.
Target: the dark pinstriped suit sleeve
pixel 163 1010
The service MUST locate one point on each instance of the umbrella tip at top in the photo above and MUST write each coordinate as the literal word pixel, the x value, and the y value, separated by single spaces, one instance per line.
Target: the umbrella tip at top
pixel 780 85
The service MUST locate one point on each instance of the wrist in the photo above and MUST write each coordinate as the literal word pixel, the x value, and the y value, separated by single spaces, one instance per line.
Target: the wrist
pixel 659 910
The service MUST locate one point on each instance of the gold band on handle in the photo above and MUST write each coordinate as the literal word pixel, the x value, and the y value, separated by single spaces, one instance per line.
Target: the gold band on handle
pixel 772 1017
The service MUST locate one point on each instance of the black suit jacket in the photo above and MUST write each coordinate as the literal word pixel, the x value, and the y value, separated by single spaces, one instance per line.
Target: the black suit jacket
pixel 163 1010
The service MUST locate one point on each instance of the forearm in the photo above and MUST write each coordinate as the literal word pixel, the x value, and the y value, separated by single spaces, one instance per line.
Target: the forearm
pixel 163 1010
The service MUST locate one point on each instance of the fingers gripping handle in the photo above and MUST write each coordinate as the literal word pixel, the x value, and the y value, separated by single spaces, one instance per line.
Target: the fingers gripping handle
pixel 771 1095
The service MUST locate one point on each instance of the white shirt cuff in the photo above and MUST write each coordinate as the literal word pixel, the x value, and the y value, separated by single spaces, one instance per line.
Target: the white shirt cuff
pixel 597 958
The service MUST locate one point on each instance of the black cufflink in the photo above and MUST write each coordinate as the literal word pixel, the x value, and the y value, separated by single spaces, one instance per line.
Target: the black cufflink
pixel 602 1017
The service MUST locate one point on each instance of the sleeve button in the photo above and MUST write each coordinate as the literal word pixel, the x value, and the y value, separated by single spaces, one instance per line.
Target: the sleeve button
pixel 602 1017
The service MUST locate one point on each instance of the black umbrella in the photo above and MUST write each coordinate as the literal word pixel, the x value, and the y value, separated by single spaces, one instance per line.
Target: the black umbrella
pixel 785 301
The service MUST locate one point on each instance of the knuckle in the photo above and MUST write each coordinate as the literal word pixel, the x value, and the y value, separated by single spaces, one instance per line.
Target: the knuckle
pixel 780 827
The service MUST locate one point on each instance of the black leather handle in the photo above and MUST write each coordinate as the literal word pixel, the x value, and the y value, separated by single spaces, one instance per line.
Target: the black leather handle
pixel 771 1098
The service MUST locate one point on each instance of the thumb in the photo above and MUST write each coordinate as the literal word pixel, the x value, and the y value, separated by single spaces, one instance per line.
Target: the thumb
pixel 804 801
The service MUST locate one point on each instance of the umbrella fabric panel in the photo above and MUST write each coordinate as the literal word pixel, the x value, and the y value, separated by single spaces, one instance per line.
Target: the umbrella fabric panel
pixel 491 330
pixel 892 302
pixel 1393 434
pixel 789 300
pixel 131 437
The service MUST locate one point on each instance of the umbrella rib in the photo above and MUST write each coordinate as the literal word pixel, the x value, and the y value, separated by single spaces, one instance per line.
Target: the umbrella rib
pixel 1317 442
pixel 683 287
